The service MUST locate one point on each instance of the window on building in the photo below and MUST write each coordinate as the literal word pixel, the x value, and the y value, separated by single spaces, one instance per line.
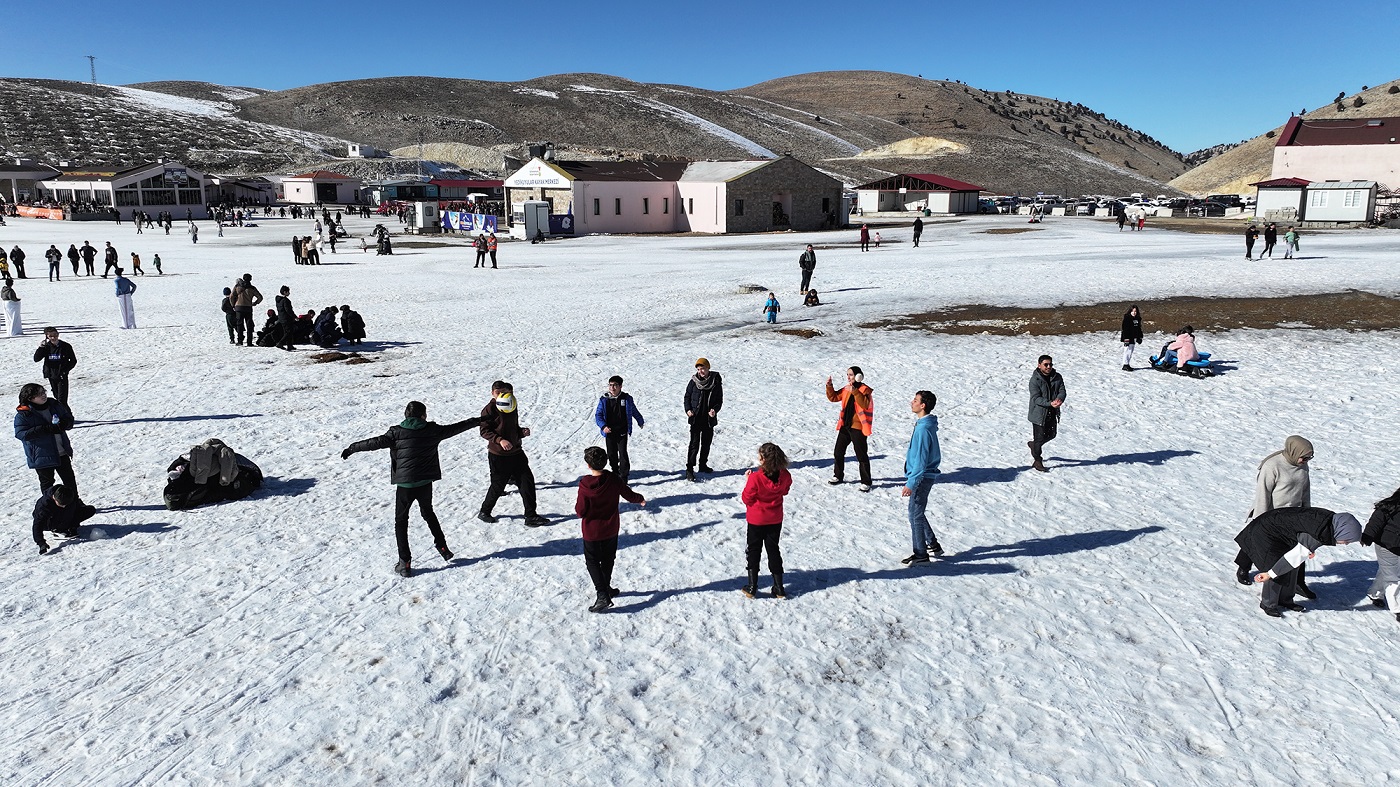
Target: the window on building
pixel 690 206
pixel 826 204
pixel 102 197
pixel 646 205
pixel 63 195
pixel 1352 199
pixel 597 207
pixel 1317 199
pixel 738 207
pixel 666 205
pixel 158 197
pixel 191 197
pixel 617 206
pixel 126 199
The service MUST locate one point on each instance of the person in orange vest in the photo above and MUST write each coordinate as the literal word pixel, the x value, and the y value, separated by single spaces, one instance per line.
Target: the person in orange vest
pixel 854 425
pixel 491 247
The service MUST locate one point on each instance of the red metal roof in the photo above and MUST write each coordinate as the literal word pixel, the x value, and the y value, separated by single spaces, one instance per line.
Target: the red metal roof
pixel 1353 131
pixel 467 183
pixel 1282 183
pixel 918 183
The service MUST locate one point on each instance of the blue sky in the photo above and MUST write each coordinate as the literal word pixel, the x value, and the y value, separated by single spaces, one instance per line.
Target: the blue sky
pixel 1187 72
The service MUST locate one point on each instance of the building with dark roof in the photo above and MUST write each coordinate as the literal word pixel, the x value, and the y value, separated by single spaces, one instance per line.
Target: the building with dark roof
pixel 155 187
pixel 18 178
pixel 1355 149
pixel 934 193
pixel 1280 199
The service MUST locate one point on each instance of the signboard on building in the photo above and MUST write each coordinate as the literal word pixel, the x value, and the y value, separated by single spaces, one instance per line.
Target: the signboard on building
pixel 470 223
pixel 537 175
pixel 177 176
pixel 561 224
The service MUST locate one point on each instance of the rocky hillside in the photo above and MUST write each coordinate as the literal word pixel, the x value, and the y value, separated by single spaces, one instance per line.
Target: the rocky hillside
pixel 1231 172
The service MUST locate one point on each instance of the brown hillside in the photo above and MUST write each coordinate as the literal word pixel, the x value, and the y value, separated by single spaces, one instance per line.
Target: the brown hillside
pixel 1232 171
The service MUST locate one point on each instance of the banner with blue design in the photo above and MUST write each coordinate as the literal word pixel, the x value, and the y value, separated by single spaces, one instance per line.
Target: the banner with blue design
pixel 468 222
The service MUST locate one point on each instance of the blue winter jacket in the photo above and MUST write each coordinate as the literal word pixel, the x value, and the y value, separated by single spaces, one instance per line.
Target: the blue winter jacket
pixel 43 447
pixel 125 286
pixel 600 414
pixel 921 463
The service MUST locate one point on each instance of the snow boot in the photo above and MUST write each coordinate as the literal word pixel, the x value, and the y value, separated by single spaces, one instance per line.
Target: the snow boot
pixel 915 559
pixel 706 468
pixel 1040 466
pixel 689 474
pixel 1244 576
pixel 1305 592
pixel 403 569
pixel 752 587
pixel 1127 368
pixel 613 592
pixel 1271 611
pixel 487 518
pixel 603 602
pixel 535 520
pixel 778 591
pixel 445 552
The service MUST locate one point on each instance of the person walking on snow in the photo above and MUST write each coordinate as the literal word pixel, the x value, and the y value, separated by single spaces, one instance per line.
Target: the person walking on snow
pixel 155 259
pixel 1383 530
pixel 1251 234
pixel 1270 238
pixel 194 232
pixel 865 237
pixel 500 426
pixel 614 416
pixel 125 287
pixel 596 507
pixel 136 265
pixel 1282 481
pixel 918 231
pixel 73 257
pixel 1047 390
pixel 1130 335
pixel 764 490
pixel 920 466
pixel 704 396
pixel 1284 539
pixel 17 259
pixel 55 258
pixel 808 263
pixel 109 259
pixel 854 425
pixel 413 467
pixel 41 425
pixel 1290 243
pixel 771 307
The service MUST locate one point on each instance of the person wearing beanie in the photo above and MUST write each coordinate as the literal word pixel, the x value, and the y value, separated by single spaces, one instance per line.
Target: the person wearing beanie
pixel 1282 481
pixel 704 396
pixel 1383 530
pixel 614 415
pixel 500 427
pixel 1283 539
pixel 413 467
pixel 854 425
pixel 596 507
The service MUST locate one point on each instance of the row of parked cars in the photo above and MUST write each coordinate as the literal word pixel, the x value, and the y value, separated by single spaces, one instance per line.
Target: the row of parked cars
pixel 1097 205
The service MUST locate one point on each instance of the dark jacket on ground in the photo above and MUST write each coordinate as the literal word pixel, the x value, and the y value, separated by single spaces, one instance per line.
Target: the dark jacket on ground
pixel 1383 528
pixel 701 401
pixel 1132 328
pixel 413 448
pixel 45 443
pixel 497 426
pixel 597 505
pixel 58 359
pixel 53 518
pixel 1281 539
pixel 1044 390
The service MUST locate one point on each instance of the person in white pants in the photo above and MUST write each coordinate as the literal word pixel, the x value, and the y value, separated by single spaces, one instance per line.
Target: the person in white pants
pixel 1383 530
pixel 14 326
pixel 1130 336
pixel 125 287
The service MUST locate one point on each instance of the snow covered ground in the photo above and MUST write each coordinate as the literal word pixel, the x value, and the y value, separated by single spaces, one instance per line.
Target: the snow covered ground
pixel 1085 629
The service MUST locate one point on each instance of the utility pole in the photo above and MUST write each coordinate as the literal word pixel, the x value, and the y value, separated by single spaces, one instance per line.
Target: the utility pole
pixel 420 155
pixel 92 66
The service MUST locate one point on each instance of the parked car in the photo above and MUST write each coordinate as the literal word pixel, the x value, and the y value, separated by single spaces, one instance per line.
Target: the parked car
pixel 1207 209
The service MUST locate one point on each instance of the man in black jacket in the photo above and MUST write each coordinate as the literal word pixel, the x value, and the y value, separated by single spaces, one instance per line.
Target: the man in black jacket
pixel 59 511
pixel 89 253
pixel 1286 537
pixel 17 260
pixel 1047 394
pixel 59 360
pixel 808 263
pixel 413 467
pixel 286 318
pixel 109 259
pixel 704 396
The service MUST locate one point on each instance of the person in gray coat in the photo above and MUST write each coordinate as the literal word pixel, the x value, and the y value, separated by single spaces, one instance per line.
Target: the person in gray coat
pixel 1047 394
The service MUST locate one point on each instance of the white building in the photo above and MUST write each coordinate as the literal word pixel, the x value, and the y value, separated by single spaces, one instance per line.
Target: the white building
pixel 934 193
pixel 320 187
pixel 1357 149
pixel 162 186
pixel 365 151
pixel 18 178
pixel 1280 199
pixel 1340 201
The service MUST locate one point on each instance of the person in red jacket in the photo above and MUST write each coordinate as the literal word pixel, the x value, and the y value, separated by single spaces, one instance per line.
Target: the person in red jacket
pixel 764 490
pixel 854 426
pixel 596 507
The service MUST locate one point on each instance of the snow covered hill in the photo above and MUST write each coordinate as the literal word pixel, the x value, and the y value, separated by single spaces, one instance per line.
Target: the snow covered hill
pixel 1084 629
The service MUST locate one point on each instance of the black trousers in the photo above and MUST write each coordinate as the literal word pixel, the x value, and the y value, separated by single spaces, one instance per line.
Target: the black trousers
pixel 88 265
pixel 58 386
pixel 493 258
pixel 763 537
pixel 599 557
pixel 111 266
pixel 1279 591
pixel 1044 433
pixel 617 455
pixel 231 319
pixel 806 280
pixel 916 240
pixel 857 438
pixel 288 330
pixel 65 474
pixel 700 436
pixel 515 469
pixel 403 499
pixel 243 325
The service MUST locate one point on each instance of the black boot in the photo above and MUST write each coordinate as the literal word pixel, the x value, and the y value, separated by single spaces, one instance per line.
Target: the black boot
pixel 752 587
pixel 778 591
pixel 601 603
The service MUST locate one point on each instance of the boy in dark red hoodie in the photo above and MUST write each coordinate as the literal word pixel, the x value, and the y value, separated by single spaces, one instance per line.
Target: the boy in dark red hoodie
pixel 764 490
pixel 598 493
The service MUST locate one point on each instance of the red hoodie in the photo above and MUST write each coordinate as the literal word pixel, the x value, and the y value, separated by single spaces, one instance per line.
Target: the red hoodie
pixel 764 497
pixel 597 505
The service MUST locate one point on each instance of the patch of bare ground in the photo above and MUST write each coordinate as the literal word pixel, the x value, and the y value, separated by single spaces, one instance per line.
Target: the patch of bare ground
pixel 804 333
pixel 334 355
pixel 1351 310
pixel 1010 230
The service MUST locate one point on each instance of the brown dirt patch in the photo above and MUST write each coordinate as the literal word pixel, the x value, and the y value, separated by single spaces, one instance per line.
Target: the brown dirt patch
pixel 805 333
pixel 359 359
pixel 1351 310
pixel 1010 230
pixel 329 357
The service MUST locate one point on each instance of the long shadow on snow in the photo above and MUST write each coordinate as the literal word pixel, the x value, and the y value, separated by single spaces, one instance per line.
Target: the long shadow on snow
pixel 372 346
pixel 667 476
pixel 282 487
pixel 172 419
pixel 1142 458
pixel 113 532
pixel 572 546
pixel 1053 545
pixel 1346 585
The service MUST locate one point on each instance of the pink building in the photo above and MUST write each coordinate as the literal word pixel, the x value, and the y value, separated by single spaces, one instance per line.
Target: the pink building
pixel 1357 149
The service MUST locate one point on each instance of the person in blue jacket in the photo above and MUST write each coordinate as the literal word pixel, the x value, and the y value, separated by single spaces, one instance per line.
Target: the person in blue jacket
pixel 920 466
pixel 614 415
pixel 40 424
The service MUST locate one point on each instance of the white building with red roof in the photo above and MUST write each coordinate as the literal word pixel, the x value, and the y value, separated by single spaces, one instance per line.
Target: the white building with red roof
pixel 934 193
pixel 320 187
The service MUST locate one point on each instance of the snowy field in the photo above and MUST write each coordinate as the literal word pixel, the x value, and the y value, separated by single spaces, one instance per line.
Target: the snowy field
pixel 1086 627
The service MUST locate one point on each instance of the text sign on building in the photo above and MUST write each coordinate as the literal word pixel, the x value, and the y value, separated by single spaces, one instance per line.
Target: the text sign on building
pixel 468 222
pixel 537 176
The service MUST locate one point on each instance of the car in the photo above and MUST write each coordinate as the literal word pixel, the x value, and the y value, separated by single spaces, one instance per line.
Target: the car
pixel 1207 209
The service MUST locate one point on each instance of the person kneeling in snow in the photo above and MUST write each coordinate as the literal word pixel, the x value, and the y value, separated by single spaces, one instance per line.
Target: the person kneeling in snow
pixel 413 467
pixel 1284 538
pixel 59 511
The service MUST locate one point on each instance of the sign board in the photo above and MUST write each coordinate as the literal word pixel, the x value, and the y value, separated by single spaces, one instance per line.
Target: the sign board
pixel 468 222
pixel 537 175
pixel 177 175
pixel 561 224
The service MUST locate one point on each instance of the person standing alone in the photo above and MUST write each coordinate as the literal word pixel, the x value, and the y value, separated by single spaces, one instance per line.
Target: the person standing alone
pixel 59 360
pixel 614 415
pixel 920 466
pixel 854 426
pixel 125 288
pixel 1130 335
pixel 918 231
pixel 1047 390
pixel 704 396
pixel 808 263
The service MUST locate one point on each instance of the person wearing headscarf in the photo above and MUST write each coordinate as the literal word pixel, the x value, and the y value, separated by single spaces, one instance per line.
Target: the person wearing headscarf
pixel 1282 482
pixel 1283 539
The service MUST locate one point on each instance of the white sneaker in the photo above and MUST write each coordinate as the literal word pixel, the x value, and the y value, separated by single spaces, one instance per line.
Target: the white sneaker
pixel 834 481
pixel 865 487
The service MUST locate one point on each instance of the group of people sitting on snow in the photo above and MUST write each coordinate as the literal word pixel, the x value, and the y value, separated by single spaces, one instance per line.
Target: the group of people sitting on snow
pixel 321 329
